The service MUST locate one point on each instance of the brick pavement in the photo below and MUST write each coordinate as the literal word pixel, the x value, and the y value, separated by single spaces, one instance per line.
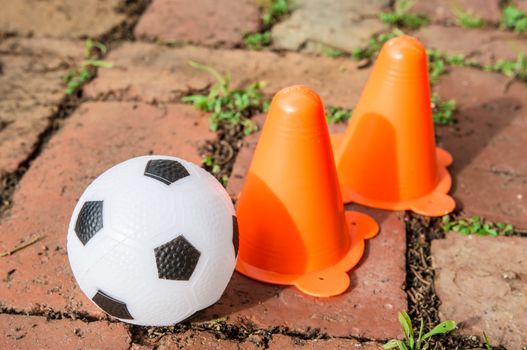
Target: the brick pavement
pixel 134 108
pixel 156 73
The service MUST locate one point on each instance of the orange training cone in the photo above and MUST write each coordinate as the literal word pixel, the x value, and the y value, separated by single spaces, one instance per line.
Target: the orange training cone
pixel 293 227
pixel 387 158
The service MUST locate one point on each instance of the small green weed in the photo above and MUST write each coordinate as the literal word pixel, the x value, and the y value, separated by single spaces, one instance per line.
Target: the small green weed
pixel 337 115
pixel 401 18
pixel 77 77
pixel 513 18
pixel 272 12
pixel 255 41
pixel 514 69
pixel 435 70
pixel 210 165
pixel 487 342
pixel 374 45
pixel 467 19
pixel 410 342
pixel 475 225
pixel 331 52
pixel 437 61
pixel 443 111
pixel 229 106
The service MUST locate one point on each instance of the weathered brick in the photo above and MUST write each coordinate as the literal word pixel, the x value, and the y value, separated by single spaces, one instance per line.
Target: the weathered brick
pixel 340 24
pixel 481 284
pixel 207 22
pixel 60 18
pixel 31 87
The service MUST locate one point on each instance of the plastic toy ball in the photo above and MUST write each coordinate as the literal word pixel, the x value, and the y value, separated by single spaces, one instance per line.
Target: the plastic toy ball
pixel 153 240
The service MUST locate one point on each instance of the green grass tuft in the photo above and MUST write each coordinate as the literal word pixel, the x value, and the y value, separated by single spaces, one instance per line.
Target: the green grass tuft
pixel 256 41
pixel 210 164
pixel 475 225
pixel 272 12
pixel 514 19
pixel 75 78
pixel 226 105
pixel 275 10
pixel 438 61
pixel 443 111
pixel 516 69
pixel 401 18
pixel 337 115
pixel 374 45
pixel 331 52
pixel 419 341
pixel 467 19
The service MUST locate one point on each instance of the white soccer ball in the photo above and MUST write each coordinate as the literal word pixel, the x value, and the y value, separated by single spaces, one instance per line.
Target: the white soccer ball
pixel 153 240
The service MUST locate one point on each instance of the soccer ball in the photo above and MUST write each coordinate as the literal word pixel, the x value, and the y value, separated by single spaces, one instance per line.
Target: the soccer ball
pixel 153 240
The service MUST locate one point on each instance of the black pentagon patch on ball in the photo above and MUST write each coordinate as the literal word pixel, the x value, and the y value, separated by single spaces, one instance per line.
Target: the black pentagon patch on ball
pixel 165 170
pixel 112 306
pixel 235 235
pixel 89 221
pixel 176 260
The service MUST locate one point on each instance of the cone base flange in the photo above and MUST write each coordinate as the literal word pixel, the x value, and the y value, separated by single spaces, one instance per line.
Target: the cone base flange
pixel 328 282
pixel 435 203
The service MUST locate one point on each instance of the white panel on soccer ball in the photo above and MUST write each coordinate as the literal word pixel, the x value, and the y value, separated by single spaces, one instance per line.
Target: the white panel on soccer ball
pixel 215 275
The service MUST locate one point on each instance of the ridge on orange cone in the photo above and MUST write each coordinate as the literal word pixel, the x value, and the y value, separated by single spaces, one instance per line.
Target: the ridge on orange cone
pixel 387 158
pixel 292 223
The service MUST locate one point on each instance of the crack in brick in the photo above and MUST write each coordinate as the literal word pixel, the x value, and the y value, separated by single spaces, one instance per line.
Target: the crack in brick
pixel 500 172
pixel 231 332
pixel 55 315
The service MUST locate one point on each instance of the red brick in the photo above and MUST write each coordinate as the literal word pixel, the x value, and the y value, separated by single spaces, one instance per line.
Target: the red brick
pixel 33 332
pixel 96 137
pixel 207 22
pixel 482 45
pixel 440 10
pixel 193 340
pixel 481 284
pixel 489 169
pixel 31 87
pixel 60 18
pixel 147 72
pixel 283 342
pixel 369 309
